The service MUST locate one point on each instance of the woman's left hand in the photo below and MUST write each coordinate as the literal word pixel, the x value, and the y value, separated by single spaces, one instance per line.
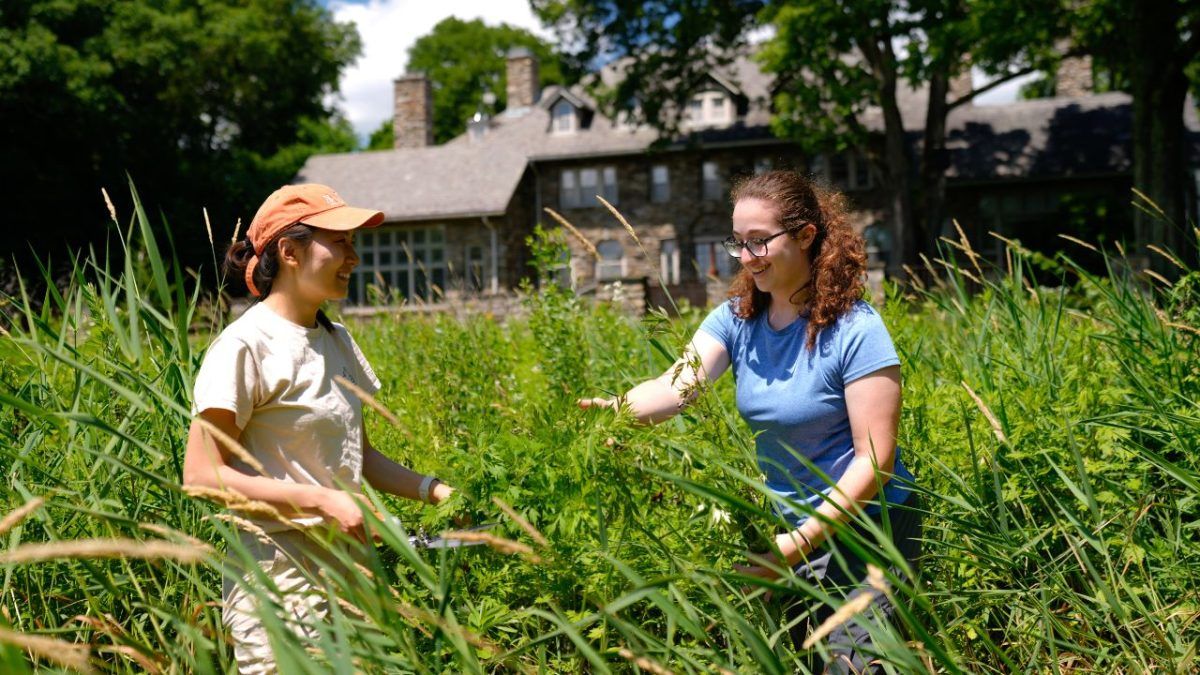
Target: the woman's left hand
pixel 791 546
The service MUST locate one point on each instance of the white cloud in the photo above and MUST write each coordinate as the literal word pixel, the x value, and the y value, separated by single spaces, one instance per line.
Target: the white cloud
pixel 388 28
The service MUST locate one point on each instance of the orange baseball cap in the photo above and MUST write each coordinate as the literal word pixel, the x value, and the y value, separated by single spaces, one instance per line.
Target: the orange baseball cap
pixel 312 204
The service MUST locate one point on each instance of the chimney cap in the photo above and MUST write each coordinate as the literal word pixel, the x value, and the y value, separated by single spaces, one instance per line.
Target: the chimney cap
pixel 520 53
pixel 412 75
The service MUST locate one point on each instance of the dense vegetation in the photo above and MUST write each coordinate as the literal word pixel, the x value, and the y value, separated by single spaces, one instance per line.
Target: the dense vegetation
pixel 1054 432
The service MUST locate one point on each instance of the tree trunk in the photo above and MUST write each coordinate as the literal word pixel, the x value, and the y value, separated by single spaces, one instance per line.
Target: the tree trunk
pixel 934 161
pixel 905 240
pixel 1160 149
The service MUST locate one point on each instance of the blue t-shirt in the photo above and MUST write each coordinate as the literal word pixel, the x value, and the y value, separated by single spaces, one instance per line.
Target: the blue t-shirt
pixel 794 397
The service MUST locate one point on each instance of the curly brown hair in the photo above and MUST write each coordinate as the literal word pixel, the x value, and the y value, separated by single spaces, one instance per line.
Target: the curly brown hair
pixel 838 254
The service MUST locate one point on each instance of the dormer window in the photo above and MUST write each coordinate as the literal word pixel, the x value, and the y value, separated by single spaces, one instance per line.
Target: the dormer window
pixel 563 118
pixel 709 108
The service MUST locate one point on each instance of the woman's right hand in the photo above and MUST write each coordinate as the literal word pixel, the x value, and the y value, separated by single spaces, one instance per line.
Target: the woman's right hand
pixel 345 510
pixel 598 402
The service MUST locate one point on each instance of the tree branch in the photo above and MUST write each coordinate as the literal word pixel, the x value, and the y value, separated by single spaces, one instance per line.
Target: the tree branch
pixel 966 98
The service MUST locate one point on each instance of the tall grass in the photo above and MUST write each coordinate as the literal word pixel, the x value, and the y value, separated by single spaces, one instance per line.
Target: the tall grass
pixel 1053 431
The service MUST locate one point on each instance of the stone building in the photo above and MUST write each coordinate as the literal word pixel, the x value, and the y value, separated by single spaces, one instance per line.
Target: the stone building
pixel 458 214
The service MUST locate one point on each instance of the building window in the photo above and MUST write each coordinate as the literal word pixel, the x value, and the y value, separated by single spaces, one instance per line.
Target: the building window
pixel 660 184
pixel 713 186
pixel 763 165
pixel 712 260
pixel 846 171
pixel 577 187
pixel 709 108
pixel 399 264
pixel 473 264
pixel 695 111
pixel 562 117
pixel 611 264
pixel 718 108
pixel 668 261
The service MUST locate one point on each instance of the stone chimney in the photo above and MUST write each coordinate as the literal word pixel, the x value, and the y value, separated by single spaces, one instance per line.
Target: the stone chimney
pixel 412 117
pixel 1074 76
pixel 521 84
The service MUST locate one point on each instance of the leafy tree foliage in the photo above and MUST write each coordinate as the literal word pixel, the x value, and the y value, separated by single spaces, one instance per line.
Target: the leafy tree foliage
pixel 465 59
pixel 383 138
pixel 201 103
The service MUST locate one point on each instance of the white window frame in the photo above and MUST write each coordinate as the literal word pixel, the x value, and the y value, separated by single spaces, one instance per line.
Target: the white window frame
pixel 660 184
pixel 573 193
pixel 712 184
pixel 411 251
pixel 668 261
pixel 709 254
pixel 607 267
pixel 563 120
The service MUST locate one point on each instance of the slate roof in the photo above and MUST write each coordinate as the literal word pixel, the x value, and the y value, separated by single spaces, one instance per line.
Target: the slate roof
pixel 1086 135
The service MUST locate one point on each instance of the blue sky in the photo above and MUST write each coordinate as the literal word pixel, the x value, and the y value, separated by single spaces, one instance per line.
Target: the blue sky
pixel 388 28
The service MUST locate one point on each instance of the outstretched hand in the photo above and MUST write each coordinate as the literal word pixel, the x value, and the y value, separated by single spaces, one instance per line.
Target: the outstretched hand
pixel 597 402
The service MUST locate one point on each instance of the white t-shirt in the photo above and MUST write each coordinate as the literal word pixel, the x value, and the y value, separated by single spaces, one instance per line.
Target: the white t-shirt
pixel 277 377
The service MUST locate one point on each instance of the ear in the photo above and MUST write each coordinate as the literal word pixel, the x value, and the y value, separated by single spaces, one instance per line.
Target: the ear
pixel 806 235
pixel 288 253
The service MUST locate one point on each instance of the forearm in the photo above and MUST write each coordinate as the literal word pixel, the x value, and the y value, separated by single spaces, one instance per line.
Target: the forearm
pixel 290 499
pixel 654 401
pixel 388 476
pixel 858 485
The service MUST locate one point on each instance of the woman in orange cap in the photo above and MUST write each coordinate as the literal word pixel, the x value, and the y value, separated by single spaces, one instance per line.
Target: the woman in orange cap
pixel 268 380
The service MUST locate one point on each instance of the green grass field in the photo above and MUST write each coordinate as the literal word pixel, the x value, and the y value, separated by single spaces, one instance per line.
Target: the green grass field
pixel 1054 431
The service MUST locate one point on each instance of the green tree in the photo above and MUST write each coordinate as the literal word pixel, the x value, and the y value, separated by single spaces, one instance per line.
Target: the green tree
pixel 203 103
pixel 383 138
pixel 839 57
pixel 465 59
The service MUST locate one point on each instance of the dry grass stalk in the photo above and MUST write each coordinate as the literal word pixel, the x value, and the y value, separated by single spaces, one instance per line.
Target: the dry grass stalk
pixel 852 608
pixel 877 581
pixel 521 522
pixel 21 513
pixel 1149 203
pixel 1157 277
pixel 231 444
pixel 54 650
pixel 144 662
pixel 961 271
pixel 424 616
pixel 104 548
pixel 164 531
pixel 351 608
pixel 241 523
pixel 987 413
pixel 498 543
pixel 236 228
pixel 624 223
pixel 591 248
pixel 237 501
pixel 208 225
pixel 1081 242
pixel 367 398
pixel 644 663
pixel 112 210
pixel 1162 316
pixel 966 248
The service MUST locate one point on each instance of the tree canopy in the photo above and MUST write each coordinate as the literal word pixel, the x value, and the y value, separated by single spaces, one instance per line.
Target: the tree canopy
pixel 202 103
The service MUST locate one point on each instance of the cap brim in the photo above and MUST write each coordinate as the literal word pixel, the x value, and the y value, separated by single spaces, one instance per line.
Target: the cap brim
pixel 344 218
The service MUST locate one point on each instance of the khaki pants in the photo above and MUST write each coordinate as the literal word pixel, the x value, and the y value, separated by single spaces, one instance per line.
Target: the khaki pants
pixel 293 561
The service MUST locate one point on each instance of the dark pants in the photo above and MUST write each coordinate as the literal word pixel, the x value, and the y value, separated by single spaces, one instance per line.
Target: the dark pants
pixel 845 577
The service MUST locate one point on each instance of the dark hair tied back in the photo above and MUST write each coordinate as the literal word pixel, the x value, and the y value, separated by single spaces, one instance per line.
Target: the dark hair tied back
pixel 239 254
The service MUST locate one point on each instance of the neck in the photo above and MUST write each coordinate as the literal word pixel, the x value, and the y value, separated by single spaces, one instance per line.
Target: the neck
pixel 293 308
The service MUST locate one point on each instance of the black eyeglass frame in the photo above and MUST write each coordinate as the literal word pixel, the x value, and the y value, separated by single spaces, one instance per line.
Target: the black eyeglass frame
pixel 734 247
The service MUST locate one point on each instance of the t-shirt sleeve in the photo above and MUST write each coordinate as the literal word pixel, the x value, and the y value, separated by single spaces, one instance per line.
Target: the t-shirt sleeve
pixel 719 324
pixel 866 345
pixel 228 380
pixel 365 377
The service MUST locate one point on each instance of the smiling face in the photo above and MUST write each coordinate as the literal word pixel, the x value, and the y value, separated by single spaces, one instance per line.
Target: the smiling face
pixel 322 268
pixel 785 266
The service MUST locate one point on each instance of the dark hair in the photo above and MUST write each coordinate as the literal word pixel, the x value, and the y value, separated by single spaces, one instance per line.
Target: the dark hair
pixel 838 254
pixel 238 256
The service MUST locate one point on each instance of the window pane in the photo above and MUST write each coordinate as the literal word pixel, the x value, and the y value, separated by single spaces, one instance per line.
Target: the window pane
pixel 366 239
pixel 659 174
pixel 588 178
pixel 568 179
pixel 418 236
pixel 385 238
pixel 710 171
pixel 385 258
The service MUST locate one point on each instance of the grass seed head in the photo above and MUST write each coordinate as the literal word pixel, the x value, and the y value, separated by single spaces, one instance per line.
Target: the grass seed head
pixel 21 513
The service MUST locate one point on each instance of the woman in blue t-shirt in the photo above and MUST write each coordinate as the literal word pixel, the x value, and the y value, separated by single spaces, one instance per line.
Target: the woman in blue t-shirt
pixel 816 375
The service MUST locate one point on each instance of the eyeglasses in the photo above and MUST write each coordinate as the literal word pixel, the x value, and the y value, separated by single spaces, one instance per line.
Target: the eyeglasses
pixel 756 246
